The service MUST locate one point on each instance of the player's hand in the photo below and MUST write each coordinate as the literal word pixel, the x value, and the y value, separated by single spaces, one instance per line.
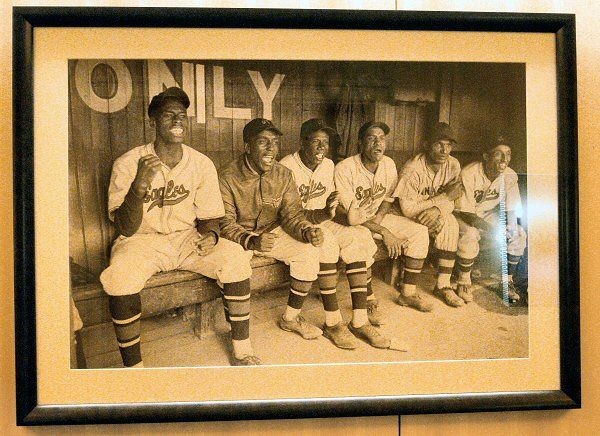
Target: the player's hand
pixel 148 166
pixel 393 244
pixel 436 228
pixel 359 214
pixel 263 242
pixel 512 231
pixel 315 236
pixel 429 217
pixel 331 203
pixel 454 190
pixel 205 243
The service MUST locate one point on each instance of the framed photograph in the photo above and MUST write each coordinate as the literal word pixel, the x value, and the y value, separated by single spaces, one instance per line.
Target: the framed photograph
pixel 183 176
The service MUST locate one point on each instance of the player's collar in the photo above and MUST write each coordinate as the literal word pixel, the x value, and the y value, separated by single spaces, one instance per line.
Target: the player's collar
pixel 302 165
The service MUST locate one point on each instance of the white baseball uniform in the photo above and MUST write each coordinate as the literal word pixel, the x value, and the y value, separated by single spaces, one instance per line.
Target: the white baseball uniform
pixel 351 243
pixel 483 198
pixel 356 183
pixel 164 241
pixel 419 188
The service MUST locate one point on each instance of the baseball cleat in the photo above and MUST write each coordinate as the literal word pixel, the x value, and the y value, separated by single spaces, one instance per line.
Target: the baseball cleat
pixel 449 296
pixel 340 336
pixel 369 334
pixel 247 360
pixel 416 301
pixel 376 318
pixel 301 327
pixel 465 292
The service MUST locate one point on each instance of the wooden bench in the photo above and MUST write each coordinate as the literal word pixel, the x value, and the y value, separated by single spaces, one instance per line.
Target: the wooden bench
pixel 197 296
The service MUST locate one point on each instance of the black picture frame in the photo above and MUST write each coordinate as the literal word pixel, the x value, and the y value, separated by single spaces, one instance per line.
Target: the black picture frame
pixel 27 19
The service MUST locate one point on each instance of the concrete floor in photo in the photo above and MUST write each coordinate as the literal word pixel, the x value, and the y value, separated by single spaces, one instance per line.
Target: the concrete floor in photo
pixel 483 329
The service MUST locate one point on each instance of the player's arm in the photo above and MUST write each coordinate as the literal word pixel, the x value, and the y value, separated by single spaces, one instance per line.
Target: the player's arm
pixel 474 221
pixel 291 214
pixel 317 216
pixel 229 227
pixel 374 224
pixel 128 216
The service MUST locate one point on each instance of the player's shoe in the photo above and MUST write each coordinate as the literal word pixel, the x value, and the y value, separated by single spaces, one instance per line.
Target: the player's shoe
pixel 416 301
pixel 465 292
pixel 376 318
pixel 340 336
pixel 512 294
pixel 449 296
pixel 247 360
pixel 369 334
pixel 300 326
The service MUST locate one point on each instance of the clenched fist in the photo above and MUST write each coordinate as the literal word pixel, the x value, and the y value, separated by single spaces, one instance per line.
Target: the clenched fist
pixel 205 243
pixel 331 203
pixel 148 166
pixel 264 242
pixel 314 235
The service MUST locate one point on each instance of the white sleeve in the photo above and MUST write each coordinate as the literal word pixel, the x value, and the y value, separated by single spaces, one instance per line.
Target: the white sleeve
pixel 208 201
pixel 121 178
pixel 466 202
pixel 513 196
pixel 343 184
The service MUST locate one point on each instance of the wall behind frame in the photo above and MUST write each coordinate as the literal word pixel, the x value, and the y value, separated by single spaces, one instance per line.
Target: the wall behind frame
pixel 109 99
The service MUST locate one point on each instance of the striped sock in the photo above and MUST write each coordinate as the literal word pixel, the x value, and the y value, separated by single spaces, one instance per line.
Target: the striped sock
pixel 513 262
pixel 370 294
pixel 445 266
pixel 357 279
pixel 328 279
pixel 464 268
pixel 237 298
pixel 298 291
pixel 412 269
pixel 126 312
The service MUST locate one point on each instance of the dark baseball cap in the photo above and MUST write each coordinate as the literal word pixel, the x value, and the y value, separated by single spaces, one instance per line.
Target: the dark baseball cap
pixel 497 140
pixel 440 131
pixel 172 93
pixel 256 126
pixel 314 125
pixel 363 130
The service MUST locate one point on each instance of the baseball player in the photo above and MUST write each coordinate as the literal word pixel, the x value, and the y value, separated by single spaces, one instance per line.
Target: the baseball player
pixel 165 202
pixel 263 213
pixel 313 173
pixel 489 206
pixel 427 187
pixel 366 183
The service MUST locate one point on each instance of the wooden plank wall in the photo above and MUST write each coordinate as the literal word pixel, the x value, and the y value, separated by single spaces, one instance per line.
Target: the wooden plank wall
pixel 308 89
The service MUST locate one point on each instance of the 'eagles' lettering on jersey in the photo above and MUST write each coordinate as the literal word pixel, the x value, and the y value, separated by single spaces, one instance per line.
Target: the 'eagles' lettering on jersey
pixel 491 195
pixel 168 196
pixel 313 190
pixel 363 195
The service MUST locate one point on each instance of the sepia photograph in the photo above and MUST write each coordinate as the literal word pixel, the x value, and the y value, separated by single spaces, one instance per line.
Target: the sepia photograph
pixel 275 212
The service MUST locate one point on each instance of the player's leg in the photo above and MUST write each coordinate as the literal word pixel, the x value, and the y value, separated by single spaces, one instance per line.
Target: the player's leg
pixel 355 253
pixel 467 251
pixel 229 264
pixel 303 259
pixel 133 261
pixel 413 258
pixel 515 249
pixel 445 244
pixel 334 329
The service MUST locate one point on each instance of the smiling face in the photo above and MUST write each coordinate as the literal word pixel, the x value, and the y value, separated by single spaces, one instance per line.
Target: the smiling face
pixel 262 150
pixel 314 148
pixel 170 122
pixel 497 160
pixel 439 152
pixel 373 145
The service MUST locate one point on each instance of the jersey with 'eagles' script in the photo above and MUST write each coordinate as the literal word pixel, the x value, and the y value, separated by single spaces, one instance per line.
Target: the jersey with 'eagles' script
pixel 419 188
pixel 177 197
pixel 354 182
pixel 313 186
pixel 482 195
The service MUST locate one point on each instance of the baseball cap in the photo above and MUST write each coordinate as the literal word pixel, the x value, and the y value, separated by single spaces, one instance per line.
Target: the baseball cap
pixel 497 140
pixel 441 131
pixel 256 126
pixel 172 93
pixel 363 130
pixel 314 125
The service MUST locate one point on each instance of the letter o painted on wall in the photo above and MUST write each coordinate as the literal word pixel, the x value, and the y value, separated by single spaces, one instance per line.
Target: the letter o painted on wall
pixel 121 95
